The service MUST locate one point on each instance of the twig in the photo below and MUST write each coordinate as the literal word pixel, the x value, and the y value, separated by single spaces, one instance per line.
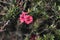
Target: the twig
pixel 5 25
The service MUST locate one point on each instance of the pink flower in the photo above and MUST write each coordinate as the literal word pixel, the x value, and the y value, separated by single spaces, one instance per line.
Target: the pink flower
pixel 28 19
pixel 21 18
pixel 25 18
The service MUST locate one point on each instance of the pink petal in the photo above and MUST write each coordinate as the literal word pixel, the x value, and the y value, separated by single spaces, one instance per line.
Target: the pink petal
pixel 28 19
pixel 21 18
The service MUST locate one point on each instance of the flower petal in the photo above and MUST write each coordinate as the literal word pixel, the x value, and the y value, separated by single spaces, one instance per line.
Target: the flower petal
pixel 28 19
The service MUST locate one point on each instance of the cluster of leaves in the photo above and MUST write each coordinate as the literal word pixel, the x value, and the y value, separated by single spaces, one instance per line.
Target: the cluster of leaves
pixel 46 16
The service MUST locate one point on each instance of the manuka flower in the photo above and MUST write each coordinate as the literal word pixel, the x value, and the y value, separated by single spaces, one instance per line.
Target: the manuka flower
pixel 25 18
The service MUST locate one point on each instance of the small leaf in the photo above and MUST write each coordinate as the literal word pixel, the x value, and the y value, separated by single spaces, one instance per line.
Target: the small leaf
pixel 58 7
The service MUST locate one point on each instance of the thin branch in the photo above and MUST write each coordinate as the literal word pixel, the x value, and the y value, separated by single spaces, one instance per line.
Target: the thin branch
pixel 5 25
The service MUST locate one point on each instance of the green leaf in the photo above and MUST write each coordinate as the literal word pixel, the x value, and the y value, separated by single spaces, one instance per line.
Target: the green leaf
pixel 58 7
pixel 26 38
